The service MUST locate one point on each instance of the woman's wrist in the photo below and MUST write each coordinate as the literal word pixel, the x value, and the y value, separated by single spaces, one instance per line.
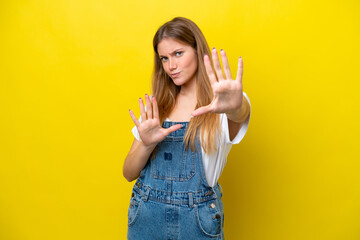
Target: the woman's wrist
pixel 149 147
pixel 239 115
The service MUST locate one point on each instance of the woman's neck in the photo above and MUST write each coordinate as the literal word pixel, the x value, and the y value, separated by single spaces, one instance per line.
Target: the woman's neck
pixel 186 101
pixel 189 90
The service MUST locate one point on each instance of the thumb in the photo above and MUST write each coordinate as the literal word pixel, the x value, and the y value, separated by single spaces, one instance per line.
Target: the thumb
pixel 173 128
pixel 201 110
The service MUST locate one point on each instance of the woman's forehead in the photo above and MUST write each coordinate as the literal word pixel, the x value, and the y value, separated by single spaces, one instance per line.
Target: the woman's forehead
pixel 169 45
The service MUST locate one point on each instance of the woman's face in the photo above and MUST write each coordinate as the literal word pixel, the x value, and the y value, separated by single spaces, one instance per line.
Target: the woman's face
pixel 178 59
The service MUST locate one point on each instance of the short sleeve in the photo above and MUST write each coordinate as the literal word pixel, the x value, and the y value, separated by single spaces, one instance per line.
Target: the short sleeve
pixel 242 131
pixel 135 131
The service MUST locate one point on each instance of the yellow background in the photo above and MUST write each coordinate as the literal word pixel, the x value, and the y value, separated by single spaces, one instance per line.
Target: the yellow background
pixel 70 70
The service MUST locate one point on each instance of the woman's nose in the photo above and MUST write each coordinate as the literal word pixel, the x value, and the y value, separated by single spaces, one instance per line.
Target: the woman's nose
pixel 172 64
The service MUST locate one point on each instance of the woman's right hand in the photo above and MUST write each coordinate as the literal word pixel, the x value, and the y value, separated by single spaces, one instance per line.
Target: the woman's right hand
pixel 150 130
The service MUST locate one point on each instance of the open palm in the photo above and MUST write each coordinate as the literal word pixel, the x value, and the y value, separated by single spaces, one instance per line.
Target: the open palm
pixel 150 130
pixel 228 93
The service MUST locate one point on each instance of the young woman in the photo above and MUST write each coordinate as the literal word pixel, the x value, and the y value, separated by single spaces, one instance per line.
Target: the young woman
pixel 182 138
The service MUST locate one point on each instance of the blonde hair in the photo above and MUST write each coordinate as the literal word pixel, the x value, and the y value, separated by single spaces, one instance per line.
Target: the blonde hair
pixel 165 91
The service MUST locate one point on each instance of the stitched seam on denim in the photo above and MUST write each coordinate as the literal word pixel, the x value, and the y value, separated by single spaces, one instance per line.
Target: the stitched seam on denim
pixel 201 192
pixel 136 215
pixel 183 175
pixel 199 224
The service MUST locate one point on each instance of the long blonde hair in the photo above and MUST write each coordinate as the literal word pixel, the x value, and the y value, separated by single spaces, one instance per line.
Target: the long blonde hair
pixel 165 91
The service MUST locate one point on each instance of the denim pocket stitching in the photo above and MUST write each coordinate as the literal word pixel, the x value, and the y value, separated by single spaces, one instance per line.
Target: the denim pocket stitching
pixel 188 160
pixel 134 211
pixel 207 209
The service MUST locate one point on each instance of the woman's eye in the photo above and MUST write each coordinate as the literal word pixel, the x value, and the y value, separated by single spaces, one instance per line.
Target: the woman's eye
pixel 165 58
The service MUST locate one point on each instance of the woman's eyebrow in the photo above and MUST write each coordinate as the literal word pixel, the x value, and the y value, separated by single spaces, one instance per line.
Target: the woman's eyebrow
pixel 172 52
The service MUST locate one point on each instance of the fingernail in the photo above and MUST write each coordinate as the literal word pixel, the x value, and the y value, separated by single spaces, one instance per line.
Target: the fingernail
pixel 191 116
pixel 213 48
pixel 239 57
pixel 222 50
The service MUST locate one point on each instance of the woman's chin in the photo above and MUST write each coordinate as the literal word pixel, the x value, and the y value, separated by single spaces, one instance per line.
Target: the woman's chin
pixel 177 82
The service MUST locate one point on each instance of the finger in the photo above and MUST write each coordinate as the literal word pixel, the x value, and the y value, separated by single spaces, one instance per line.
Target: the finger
pixel 155 106
pixel 225 64
pixel 217 65
pixel 148 107
pixel 135 120
pixel 239 71
pixel 142 110
pixel 209 70
pixel 173 128
pixel 201 110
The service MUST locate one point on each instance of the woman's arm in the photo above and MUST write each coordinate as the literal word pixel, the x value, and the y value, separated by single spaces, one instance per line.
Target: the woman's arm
pixel 136 160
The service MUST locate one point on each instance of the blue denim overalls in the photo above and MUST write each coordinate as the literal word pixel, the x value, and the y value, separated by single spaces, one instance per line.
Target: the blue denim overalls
pixel 171 199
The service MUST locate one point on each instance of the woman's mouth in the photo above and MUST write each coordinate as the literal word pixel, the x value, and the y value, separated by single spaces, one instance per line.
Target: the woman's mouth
pixel 175 75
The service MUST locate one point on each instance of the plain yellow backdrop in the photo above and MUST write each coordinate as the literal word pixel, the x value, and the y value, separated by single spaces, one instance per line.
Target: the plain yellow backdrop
pixel 70 70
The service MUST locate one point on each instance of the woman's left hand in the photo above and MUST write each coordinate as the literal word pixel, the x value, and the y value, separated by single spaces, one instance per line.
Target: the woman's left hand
pixel 228 93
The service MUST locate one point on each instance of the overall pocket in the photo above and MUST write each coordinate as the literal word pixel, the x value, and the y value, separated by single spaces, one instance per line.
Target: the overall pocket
pixel 209 216
pixel 173 161
pixel 134 208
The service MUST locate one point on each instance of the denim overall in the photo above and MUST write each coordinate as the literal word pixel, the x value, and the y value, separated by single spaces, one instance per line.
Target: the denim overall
pixel 172 199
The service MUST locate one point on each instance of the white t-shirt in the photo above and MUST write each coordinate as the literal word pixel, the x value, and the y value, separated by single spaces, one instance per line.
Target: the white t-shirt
pixel 215 163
